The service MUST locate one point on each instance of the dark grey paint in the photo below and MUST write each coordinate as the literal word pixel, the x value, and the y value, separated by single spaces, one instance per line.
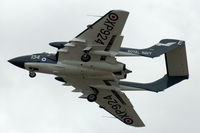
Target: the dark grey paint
pixel 60 79
pixel 170 78
pixel 58 45
pixel 154 50
pixel 20 61
pixel 157 86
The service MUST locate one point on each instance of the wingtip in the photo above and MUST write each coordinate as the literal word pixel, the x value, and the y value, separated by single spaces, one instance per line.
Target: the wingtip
pixel 119 10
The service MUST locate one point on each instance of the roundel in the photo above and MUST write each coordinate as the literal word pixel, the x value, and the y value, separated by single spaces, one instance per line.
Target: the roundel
pixel 113 16
pixel 128 121
pixel 44 59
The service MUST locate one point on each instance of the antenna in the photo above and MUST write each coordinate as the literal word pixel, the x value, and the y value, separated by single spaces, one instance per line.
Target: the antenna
pixel 109 117
pixel 94 16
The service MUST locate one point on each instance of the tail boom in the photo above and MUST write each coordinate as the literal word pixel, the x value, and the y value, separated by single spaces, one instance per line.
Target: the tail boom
pixel 176 65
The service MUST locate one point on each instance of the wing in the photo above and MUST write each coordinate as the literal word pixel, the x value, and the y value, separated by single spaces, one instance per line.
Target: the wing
pixel 103 29
pixel 109 97
pixel 117 103
pixel 102 38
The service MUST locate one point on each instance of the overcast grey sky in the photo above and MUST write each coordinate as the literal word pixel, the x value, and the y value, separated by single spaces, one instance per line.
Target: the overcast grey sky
pixel 43 105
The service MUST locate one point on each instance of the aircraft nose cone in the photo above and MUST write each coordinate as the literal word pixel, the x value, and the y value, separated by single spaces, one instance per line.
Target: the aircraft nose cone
pixel 17 62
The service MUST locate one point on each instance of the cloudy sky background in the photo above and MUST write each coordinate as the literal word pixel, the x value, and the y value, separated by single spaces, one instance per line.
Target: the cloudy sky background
pixel 43 105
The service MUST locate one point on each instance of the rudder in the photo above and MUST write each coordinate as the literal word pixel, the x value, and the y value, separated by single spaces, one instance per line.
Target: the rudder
pixel 176 61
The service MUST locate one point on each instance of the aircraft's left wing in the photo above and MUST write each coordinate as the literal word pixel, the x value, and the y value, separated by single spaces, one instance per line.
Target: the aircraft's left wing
pixel 109 97
pixel 117 103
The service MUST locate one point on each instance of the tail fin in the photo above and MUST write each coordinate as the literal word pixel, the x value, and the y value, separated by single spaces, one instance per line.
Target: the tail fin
pixel 177 70
pixel 176 61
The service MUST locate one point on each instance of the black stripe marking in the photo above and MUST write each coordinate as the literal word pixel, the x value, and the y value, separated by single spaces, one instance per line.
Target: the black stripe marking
pixel 107 82
pixel 108 47
pixel 117 95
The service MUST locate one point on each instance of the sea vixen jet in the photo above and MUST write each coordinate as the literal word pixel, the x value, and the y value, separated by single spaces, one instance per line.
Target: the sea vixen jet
pixel 88 63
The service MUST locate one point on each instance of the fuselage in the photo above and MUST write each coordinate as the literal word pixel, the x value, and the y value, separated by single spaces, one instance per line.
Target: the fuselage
pixel 49 64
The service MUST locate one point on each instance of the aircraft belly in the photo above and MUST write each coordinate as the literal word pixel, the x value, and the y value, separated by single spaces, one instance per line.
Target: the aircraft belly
pixel 45 68
pixel 83 71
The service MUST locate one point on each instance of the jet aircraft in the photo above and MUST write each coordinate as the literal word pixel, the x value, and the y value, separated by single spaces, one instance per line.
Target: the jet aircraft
pixel 88 63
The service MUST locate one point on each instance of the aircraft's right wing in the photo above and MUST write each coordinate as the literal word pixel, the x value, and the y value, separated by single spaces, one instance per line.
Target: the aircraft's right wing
pixel 100 40
pixel 104 29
